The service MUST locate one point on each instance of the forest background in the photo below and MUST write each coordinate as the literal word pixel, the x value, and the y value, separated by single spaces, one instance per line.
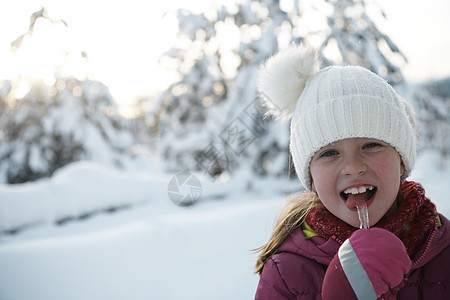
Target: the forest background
pixel 80 165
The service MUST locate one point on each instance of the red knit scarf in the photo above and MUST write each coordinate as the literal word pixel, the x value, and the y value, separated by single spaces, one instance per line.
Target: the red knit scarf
pixel 412 222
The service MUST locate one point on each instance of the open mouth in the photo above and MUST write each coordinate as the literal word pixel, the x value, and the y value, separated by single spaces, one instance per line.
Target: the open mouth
pixel 353 196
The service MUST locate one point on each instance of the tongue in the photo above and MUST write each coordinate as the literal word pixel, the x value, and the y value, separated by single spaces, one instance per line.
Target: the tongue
pixel 353 200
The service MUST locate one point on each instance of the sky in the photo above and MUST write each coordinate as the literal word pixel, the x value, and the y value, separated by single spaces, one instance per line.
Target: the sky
pixel 123 43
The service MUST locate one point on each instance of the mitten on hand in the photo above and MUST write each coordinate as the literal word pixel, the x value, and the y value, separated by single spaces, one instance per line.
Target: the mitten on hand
pixel 370 264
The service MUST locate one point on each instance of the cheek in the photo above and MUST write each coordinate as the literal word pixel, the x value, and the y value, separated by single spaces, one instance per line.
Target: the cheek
pixel 390 167
pixel 389 172
pixel 322 179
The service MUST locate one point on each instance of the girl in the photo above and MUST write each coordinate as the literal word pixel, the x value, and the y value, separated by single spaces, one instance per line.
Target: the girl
pixel 353 144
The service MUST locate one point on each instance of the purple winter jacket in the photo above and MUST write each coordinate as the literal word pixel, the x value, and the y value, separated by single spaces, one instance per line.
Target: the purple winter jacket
pixel 298 268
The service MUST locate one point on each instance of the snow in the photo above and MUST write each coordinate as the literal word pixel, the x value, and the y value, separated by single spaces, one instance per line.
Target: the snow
pixel 153 249
pixel 185 255
pixel 148 248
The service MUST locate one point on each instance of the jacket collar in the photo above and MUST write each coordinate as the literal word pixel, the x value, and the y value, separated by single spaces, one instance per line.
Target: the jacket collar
pixel 316 247
pixel 437 241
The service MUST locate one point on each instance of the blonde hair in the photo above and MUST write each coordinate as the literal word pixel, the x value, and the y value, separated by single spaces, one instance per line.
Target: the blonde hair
pixel 291 217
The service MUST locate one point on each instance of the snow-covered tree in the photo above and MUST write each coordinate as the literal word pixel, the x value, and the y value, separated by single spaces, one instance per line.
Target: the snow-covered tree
pixel 356 40
pixel 433 101
pixel 55 125
pixel 46 124
pixel 210 119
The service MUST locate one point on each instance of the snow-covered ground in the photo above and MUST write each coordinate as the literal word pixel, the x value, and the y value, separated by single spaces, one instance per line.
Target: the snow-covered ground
pixel 122 238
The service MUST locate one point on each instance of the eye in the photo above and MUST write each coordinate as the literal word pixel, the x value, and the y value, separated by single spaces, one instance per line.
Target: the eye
pixel 329 153
pixel 372 145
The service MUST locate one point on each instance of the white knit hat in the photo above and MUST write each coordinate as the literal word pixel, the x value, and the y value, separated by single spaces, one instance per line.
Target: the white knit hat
pixel 333 104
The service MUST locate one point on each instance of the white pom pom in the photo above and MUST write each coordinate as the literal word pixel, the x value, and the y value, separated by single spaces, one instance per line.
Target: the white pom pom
pixel 283 78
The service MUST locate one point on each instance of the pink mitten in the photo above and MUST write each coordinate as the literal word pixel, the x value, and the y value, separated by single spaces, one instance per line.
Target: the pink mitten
pixel 370 264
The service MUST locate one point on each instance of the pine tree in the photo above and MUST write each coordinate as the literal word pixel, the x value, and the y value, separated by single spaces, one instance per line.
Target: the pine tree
pixel 54 125
pixel 210 119
pixel 432 99
pixel 357 39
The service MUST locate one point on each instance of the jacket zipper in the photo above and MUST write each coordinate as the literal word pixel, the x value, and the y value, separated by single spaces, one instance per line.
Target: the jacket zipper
pixel 433 233
pixel 340 242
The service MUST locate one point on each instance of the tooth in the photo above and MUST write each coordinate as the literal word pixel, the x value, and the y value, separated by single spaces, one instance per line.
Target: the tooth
pixel 348 191
pixel 359 190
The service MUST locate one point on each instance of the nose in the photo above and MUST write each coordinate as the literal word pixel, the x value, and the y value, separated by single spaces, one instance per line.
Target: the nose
pixel 354 165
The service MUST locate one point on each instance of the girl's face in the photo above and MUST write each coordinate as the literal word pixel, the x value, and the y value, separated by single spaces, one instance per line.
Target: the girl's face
pixel 357 169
